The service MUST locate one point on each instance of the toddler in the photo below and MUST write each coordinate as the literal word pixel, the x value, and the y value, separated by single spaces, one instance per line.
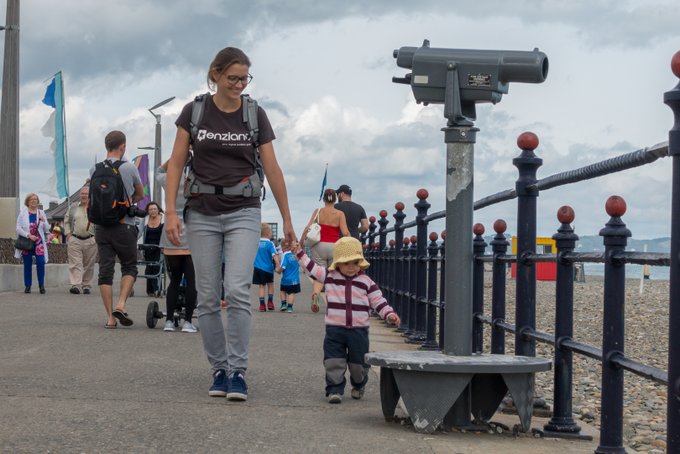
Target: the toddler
pixel 265 261
pixel 290 277
pixel 350 295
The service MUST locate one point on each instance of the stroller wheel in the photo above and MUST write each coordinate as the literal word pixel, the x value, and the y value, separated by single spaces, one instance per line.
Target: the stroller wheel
pixel 152 314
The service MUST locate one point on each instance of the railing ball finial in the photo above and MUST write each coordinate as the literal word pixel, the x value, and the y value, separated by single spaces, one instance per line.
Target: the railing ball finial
pixel 392 243
pixel 371 219
pixel 406 241
pixel 478 229
pixel 675 64
pixel 422 194
pixel 399 206
pixel 615 206
pixel 383 213
pixel 444 235
pixel 500 226
pixel 527 141
pixel 414 239
pixel 566 215
pixel 434 236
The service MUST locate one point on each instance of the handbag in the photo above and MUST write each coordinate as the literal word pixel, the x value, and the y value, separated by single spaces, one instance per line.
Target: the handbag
pixel 314 232
pixel 24 244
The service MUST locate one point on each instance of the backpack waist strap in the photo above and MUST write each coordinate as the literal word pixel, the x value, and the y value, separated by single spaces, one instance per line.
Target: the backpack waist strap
pixel 248 187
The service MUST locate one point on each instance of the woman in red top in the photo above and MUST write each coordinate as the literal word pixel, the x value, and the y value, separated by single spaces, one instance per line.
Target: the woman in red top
pixel 333 223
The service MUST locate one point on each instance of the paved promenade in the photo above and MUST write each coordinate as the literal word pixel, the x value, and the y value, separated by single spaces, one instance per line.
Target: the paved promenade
pixel 69 385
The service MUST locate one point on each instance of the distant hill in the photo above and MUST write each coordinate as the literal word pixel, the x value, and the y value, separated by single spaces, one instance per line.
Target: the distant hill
pixel 587 243
pixel 594 243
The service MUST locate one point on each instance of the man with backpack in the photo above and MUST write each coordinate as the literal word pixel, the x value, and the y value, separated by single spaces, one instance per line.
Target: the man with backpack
pixel 115 185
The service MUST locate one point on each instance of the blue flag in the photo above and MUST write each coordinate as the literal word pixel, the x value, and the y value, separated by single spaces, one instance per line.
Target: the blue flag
pixel 54 97
pixel 323 183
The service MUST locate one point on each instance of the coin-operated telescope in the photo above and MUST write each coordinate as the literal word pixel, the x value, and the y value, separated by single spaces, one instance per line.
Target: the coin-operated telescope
pixel 461 78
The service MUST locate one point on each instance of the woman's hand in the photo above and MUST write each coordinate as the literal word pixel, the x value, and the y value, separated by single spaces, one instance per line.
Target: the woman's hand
pixel 173 228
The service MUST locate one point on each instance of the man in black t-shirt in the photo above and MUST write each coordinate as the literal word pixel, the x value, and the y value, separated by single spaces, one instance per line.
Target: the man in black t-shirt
pixel 357 222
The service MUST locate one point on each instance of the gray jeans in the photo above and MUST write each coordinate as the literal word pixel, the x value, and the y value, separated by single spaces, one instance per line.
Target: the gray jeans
pixel 234 236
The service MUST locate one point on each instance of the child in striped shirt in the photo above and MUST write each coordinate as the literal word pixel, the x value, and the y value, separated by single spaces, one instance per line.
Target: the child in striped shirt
pixel 350 295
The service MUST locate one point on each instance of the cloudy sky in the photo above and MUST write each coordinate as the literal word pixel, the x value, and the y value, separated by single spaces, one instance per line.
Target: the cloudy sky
pixel 323 72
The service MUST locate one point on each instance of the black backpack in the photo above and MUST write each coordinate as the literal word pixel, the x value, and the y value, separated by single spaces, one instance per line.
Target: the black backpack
pixel 109 201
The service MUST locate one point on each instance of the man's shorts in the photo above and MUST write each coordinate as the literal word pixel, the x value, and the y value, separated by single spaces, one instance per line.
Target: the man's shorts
pixel 262 277
pixel 290 289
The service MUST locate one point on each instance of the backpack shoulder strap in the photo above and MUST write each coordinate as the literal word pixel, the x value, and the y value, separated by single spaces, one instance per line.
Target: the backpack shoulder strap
pixel 250 109
pixel 197 108
pixel 250 119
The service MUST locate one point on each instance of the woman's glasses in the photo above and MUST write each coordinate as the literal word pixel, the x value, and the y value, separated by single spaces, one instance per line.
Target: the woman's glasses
pixel 245 80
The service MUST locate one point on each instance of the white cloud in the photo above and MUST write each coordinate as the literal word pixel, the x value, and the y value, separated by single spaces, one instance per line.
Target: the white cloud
pixel 323 72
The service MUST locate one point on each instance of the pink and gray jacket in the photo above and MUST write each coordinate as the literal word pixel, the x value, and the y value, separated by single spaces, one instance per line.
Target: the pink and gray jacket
pixel 350 299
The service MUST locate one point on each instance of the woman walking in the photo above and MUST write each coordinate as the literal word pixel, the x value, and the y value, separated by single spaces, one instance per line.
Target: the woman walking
pixel 220 221
pixel 32 224
pixel 332 222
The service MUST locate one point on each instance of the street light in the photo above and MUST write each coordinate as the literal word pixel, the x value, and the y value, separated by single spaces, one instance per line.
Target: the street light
pixel 157 149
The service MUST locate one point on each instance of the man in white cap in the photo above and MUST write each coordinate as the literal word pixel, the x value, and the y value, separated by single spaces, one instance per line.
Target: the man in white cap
pixel 357 222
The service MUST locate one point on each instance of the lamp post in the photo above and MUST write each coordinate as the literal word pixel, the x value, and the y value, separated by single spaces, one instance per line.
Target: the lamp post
pixel 157 149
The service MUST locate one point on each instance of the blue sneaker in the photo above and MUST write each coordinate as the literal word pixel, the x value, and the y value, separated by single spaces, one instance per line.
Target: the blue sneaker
pixel 238 390
pixel 219 386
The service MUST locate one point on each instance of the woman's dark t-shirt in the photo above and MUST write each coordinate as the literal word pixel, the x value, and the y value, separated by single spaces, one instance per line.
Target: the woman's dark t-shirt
pixel 223 155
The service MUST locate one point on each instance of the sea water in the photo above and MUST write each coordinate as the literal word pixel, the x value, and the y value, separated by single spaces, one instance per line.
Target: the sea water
pixel 633 271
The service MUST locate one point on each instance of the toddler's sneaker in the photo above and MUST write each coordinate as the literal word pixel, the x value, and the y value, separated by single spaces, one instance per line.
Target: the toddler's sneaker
pixel 334 398
pixel 270 306
pixel 289 309
pixel 188 327
pixel 357 393
pixel 315 302
pixel 263 308
pixel 169 326
pixel 238 389
pixel 284 306
pixel 219 386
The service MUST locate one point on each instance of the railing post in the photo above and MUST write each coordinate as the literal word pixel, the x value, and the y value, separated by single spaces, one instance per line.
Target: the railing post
pixel 432 304
pixel 499 247
pixel 442 290
pixel 615 236
pixel 412 332
pixel 391 269
pixel 405 286
pixel 420 298
pixel 478 249
pixel 562 421
pixel 525 301
pixel 371 231
pixel 672 99
pixel 382 253
pixel 399 261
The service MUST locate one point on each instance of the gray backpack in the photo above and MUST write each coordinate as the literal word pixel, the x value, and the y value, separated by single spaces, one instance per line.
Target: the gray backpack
pixel 254 185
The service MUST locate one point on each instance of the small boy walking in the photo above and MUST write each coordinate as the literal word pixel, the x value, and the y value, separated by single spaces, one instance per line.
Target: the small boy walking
pixel 265 262
pixel 350 295
pixel 290 277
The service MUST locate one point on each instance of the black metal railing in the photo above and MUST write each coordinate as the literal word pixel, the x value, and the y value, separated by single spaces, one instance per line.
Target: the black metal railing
pixel 410 270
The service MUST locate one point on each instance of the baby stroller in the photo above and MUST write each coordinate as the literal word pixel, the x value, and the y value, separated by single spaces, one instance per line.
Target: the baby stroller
pixel 156 266
pixel 153 312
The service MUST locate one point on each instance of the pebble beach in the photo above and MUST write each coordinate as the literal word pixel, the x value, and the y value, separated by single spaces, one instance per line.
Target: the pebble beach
pixel 646 316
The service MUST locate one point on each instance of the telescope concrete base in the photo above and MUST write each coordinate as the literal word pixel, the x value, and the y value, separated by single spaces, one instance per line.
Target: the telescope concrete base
pixel 430 383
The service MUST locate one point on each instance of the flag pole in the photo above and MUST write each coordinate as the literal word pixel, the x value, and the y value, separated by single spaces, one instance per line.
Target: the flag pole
pixel 63 122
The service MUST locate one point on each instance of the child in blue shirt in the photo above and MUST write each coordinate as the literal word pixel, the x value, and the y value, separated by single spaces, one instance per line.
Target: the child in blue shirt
pixel 265 262
pixel 290 277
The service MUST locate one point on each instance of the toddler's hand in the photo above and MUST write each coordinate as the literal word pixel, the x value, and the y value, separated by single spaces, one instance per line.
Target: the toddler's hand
pixel 394 319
